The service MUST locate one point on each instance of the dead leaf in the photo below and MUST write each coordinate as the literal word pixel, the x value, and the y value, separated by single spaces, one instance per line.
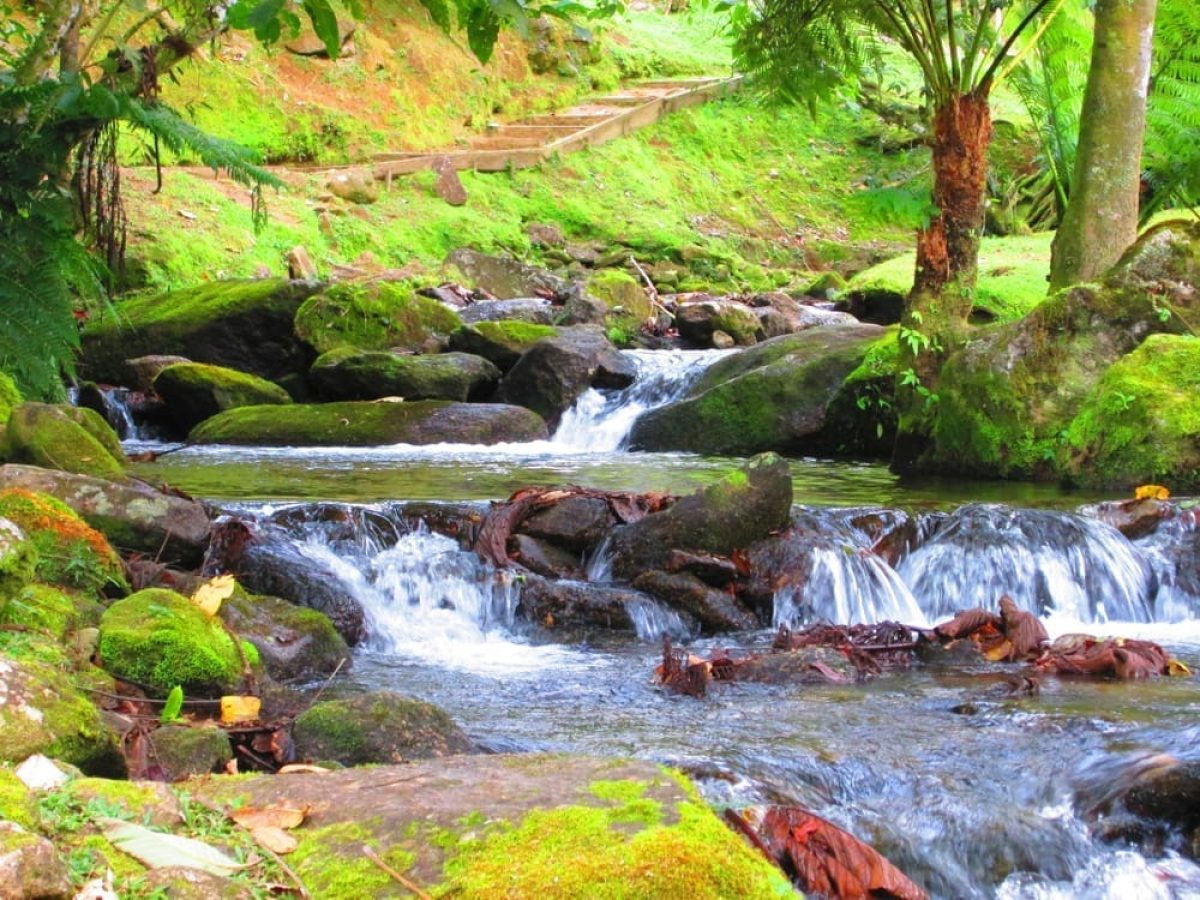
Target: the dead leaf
pixel 1151 492
pixel 302 769
pixel 239 709
pixel 274 839
pixel 210 595
pixel 280 817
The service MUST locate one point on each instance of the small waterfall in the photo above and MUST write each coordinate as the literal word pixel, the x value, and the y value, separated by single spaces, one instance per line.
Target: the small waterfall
pixel 1049 562
pixel 115 404
pixel 844 587
pixel 599 422
pixel 1172 551
pixel 651 620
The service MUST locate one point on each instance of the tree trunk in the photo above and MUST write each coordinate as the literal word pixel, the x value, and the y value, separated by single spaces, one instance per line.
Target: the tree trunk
pixel 947 262
pixel 1102 213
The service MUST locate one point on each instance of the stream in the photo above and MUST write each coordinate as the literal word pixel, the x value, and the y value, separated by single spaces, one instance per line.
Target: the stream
pixel 969 790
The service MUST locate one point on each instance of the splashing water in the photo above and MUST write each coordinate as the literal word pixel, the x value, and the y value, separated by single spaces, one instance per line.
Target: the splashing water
pixel 845 588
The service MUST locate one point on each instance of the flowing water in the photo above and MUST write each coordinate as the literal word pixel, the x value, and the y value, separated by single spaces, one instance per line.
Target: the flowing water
pixel 972 791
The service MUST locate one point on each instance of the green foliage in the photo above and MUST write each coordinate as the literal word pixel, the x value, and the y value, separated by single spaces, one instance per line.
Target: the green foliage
pixel 172 707
pixel 1172 156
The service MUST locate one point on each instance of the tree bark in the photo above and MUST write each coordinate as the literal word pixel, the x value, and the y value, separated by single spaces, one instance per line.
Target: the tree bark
pixel 1101 218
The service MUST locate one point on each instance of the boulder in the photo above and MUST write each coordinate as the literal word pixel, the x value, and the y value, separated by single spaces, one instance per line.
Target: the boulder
pixel 69 552
pixel 184 752
pixel 578 606
pixel 134 517
pixel 159 639
pixel 533 310
pixel 1006 398
pixel 377 727
pixel 448 185
pixel 577 523
pixel 698 320
pixel 773 396
pixel 625 298
pixel 242 325
pixel 715 610
pixel 48 610
pixel 30 868
pixel 367 424
pixel 374 316
pixel 581 308
pixel 41 711
pixel 744 506
pixel 544 558
pixel 65 438
pixel 501 343
pixel 144 369
pixel 552 374
pixel 294 643
pixel 505 278
pixel 194 391
pixel 573 826
pixel 349 374
pixel 359 188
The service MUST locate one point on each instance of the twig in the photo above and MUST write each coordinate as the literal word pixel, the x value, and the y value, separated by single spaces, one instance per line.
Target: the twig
pixel 650 288
pixel 112 696
pixel 288 870
pixel 332 675
pixel 408 883
pixel 256 758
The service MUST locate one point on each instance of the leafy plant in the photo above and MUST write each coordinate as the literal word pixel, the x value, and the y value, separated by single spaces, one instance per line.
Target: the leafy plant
pixel 172 707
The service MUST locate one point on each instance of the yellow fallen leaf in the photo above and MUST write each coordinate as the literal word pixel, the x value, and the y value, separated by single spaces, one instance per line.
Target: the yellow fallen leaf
pixel 302 769
pixel 210 595
pixel 1000 652
pixel 281 817
pixel 1151 492
pixel 274 839
pixel 1178 669
pixel 239 709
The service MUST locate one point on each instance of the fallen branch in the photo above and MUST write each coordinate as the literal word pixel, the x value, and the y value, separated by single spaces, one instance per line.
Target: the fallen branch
pixel 406 882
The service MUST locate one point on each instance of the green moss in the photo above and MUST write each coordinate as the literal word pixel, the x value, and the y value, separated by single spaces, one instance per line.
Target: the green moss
pixel 628 304
pixel 18 559
pixel 66 438
pixel 373 317
pixel 125 799
pixel 331 864
pixel 1141 422
pixel 159 639
pixel 227 388
pixel 379 727
pixel 17 802
pixel 293 642
pixel 70 552
pixel 48 609
pixel 10 396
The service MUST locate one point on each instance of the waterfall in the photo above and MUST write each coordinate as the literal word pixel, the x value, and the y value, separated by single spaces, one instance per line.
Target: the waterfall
pixel 115 404
pixel 600 422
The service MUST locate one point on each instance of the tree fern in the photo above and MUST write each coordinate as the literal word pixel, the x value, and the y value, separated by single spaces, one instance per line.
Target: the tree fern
pixel 1171 159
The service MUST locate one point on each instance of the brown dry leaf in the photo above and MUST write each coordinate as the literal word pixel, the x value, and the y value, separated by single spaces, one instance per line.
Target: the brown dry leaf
pixel 281 817
pixel 210 595
pixel 302 768
pixel 239 709
pixel 274 839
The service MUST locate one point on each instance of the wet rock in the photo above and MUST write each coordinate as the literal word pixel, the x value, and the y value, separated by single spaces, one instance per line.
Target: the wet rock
pixel 30 868
pixel 194 391
pixel 184 752
pixel 349 374
pixel 893 533
pixel 581 308
pixel 448 185
pixel 373 315
pixel 1170 794
pixel 715 610
pixel 575 605
pixel 773 396
pixel 528 309
pixel 378 727
pixel 371 423
pixel 578 523
pixel 134 517
pixel 294 642
pixel 159 639
pixel 65 438
pixel 808 665
pixel 242 325
pixel 744 506
pixel 697 320
pixel 713 570
pixel 1133 518
pixel 506 278
pixel 354 187
pixel 501 343
pixel 552 374
pixel 544 558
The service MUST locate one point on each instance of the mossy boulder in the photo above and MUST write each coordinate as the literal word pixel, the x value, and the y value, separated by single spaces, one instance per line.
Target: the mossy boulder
pixel 10 396
pixel 862 414
pixel 66 438
pixel 698 320
pixel 373 316
pixel 1141 422
pixel 69 551
pixel 628 304
pixel 18 559
pixel 158 639
pixel 350 374
pixel 536 825
pixel 773 396
pixel 17 802
pixel 366 424
pixel 730 514
pixel 295 643
pixel 1008 398
pixel 49 610
pixel 30 867
pixel 502 342
pixel 503 277
pixel 379 727
pixel 195 391
pixel 41 711
pixel 243 325
pixel 183 752
pixel 133 516
pixel 151 801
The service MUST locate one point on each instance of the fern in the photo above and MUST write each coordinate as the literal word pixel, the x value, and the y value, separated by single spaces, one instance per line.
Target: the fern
pixel 1171 160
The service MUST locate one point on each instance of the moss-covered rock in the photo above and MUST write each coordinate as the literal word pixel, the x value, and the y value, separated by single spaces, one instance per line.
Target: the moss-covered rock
pixel 159 639
pixel 29 865
pixel 502 342
pixel 1008 398
pixel 379 727
pixel 244 325
pixel 773 396
pixel 50 610
pixel 629 306
pixel 862 414
pixel 18 559
pixel 133 516
pixel 699 320
pixel 42 712
pixel 66 438
pixel 294 642
pixel 1141 422
pixel 350 374
pixel 195 391
pixel 373 316
pixel 17 802
pixel 183 752
pixel 365 424
pixel 69 551
pixel 151 801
